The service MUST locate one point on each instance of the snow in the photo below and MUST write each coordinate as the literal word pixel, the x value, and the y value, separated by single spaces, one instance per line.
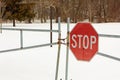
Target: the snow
pixel 40 63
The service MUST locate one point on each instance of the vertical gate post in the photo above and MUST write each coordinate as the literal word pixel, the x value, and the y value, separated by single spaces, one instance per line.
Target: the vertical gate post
pixel 21 39
pixel 67 49
pixel 51 25
pixel 59 47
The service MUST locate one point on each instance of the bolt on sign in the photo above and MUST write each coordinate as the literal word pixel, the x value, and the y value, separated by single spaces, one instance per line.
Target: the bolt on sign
pixel 84 41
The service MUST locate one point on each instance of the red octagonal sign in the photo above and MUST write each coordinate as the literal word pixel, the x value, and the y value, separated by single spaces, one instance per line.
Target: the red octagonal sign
pixel 84 41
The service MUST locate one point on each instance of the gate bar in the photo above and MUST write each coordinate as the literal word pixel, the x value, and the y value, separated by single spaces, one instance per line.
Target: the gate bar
pixel 21 39
pixel 59 47
pixel 67 49
pixel 110 36
pixel 41 30
pixel 108 56
pixel 29 47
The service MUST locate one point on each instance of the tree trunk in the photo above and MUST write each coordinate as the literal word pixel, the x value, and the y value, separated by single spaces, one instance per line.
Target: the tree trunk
pixel 13 22
pixel 90 11
pixel 57 14
pixel 29 20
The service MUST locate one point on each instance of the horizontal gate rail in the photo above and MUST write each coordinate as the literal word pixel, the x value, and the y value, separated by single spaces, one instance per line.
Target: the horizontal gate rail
pixel 108 56
pixel 21 38
pixel 39 30
pixel 29 47
pixel 110 36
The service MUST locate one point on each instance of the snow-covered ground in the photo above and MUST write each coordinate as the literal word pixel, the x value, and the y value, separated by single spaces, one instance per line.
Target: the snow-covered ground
pixel 40 63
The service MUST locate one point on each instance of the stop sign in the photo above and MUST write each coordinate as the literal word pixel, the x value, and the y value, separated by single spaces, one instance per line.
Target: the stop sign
pixel 84 41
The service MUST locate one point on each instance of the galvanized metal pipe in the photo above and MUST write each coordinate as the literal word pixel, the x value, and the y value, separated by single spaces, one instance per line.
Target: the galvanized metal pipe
pixel 29 47
pixel 21 39
pixel 39 30
pixel 109 36
pixel 109 56
pixel 106 55
pixel 59 47
pixel 67 49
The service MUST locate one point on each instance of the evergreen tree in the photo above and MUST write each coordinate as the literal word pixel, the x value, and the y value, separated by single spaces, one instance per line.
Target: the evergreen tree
pixel 16 10
pixel 25 12
pixel 11 9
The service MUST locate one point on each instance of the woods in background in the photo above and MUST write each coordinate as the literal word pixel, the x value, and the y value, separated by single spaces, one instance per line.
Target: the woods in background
pixel 77 10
